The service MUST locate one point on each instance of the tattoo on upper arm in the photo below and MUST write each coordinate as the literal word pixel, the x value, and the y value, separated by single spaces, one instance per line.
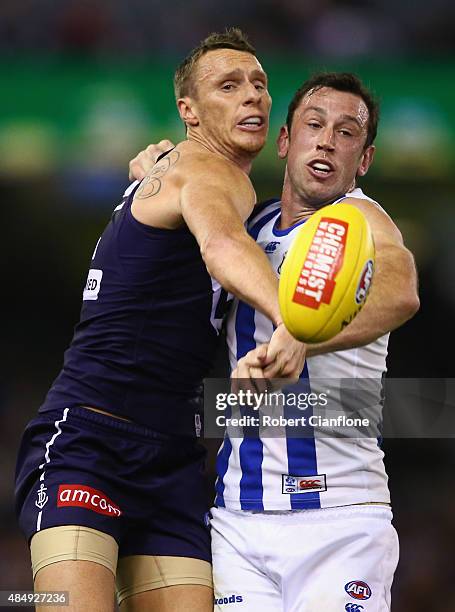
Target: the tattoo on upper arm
pixel 151 184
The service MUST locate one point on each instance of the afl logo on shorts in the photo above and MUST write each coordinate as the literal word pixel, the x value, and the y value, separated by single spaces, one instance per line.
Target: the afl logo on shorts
pixel 364 283
pixel 358 589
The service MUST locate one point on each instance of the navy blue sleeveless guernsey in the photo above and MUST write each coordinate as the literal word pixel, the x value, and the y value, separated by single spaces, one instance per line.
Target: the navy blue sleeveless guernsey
pixel 148 328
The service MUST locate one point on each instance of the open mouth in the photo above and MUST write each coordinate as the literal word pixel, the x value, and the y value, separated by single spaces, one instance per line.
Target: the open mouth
pixel 251 124
pixel 321 167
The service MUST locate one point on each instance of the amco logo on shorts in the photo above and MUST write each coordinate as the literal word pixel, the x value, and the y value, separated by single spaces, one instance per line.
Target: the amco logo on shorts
pixel 86 497
pixel 221 601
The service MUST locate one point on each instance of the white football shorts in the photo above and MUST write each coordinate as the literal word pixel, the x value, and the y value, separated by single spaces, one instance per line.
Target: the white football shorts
pixel 334 559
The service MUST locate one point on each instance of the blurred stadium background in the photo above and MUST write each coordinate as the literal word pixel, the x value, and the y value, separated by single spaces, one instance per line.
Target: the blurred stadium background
pixel 86 84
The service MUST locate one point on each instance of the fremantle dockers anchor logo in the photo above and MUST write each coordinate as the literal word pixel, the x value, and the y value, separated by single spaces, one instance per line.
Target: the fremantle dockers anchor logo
pixel 42 497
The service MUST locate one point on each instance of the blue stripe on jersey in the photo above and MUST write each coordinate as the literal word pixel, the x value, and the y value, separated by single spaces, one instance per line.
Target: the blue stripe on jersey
pixel 255 228
pixel 244 319
pixel 302 454
pixel 244 329
pixel 251 455
pixel 260 207
pixel 222 463
pixel 251 448
pixel 284 232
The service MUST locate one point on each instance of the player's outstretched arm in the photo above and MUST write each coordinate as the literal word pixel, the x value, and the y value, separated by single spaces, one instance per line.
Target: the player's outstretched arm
pixel 215 201
pixel 393 296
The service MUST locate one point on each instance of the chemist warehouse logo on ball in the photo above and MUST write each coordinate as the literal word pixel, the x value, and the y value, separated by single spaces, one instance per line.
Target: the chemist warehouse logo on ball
pixel 86 497
pixel 358 589
pixel 324 260
pixel 224 601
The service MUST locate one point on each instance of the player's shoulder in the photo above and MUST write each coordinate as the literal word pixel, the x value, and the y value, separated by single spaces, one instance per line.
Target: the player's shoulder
pixel 210 175
pixel 360 199
pixel 197 163
pixel 378 218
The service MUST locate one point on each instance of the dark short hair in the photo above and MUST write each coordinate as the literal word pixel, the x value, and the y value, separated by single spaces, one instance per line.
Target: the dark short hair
pixel 341 81
pixel 231 38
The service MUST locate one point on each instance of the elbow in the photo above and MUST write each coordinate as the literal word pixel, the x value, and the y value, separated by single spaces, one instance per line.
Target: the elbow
pixel 406 285
pixel 410 306
pixel 415 304
pixel 411 299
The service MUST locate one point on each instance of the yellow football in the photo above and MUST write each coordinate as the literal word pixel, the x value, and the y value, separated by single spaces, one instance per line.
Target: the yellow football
pixel 327 273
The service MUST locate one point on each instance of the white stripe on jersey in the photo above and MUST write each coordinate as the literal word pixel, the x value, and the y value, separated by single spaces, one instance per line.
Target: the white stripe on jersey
pixel 250 472
pixel 130 188
pixel 127 192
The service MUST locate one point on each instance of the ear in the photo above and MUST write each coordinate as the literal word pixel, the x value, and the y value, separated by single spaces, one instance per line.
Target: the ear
pixel 366 160
pixel 283 142
pixel 187 111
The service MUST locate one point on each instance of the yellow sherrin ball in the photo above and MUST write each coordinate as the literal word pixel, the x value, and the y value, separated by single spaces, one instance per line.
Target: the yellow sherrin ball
pixel 327 273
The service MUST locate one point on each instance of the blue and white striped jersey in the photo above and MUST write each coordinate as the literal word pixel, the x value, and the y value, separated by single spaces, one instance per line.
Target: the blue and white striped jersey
pixel 253 472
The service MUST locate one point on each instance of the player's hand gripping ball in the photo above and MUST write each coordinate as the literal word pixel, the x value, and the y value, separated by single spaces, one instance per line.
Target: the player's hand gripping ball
pixel 327 273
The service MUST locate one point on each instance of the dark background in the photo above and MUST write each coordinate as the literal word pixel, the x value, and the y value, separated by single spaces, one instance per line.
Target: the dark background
pixel 85 85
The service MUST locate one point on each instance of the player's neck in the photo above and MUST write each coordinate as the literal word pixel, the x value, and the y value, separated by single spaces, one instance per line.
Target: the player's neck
pixel 243 160
pixel 296 207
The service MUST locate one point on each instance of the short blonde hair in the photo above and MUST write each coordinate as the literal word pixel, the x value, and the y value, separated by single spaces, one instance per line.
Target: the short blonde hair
pixel 232 38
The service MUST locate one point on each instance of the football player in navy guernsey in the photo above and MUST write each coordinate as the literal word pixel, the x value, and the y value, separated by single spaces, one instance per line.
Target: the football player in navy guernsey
pixel 110 474
pixel 303 524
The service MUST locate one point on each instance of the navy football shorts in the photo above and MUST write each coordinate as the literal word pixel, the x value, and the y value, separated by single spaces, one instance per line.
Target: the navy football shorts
pixel 145 489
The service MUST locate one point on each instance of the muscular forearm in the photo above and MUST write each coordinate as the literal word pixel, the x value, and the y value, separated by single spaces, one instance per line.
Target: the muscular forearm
pixel 392 300
pixel 240 266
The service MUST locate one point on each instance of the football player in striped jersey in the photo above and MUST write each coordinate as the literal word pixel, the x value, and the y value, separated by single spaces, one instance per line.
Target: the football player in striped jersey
pixel 305 523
